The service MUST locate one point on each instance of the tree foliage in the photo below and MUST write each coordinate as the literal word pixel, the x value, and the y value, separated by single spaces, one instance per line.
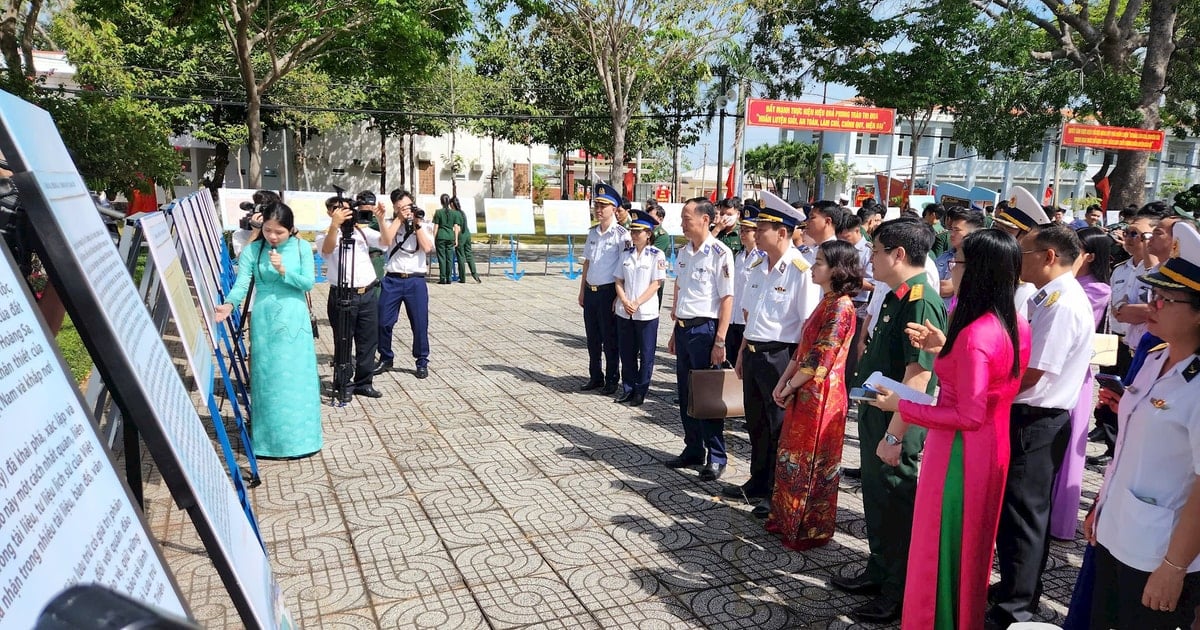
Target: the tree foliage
pixel 796 161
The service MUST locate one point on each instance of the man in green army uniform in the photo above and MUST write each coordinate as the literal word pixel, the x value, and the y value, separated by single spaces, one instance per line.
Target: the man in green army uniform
pixel 449 225
pixel 725 227
pixel 662 240
pixel 889 459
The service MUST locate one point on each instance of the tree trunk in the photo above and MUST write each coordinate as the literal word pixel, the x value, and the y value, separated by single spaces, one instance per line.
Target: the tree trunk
pixel 620 122
pixel 412 163
pixel 254 143
pixel 739 134
pixel 454 164
pixel 382 161
pixel 675 170
pixel 1127 180
pixel 493 177
pixel 403 177
pixel 301 158
pixel 220 164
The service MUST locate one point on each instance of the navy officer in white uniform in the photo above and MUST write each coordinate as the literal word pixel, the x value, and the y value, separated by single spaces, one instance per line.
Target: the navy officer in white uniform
pixel 702 308
pixel 642 270
pixel 598 291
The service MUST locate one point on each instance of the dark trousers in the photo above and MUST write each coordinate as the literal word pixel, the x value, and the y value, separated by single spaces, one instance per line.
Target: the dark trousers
pixel 852 356
pixel 889 494
pixel 764 419
pixel 1117 598
pixel 363 333
pixel 733 340
pixel 1039 439
pixel 413 293
pixel 693 351
pixel 637 341
pixel 600 326
pixel 465 257
pixel 1106 419
pixel 445 257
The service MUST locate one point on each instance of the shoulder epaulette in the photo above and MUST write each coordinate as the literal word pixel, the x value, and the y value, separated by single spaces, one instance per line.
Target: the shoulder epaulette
pixel 800 264
pixel 756 263
pixel 917 292
pixel 1161 346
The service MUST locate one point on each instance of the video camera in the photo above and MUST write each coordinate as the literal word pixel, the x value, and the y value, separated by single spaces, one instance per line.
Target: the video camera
pixel 364 206
pixel 247 222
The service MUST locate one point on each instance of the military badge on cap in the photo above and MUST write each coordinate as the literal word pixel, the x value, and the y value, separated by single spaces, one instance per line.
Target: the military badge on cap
pixel 606 194
pixel 776 210
pixel 1182 270
pixel 749 215
pixel 642 220
pixel 1024 212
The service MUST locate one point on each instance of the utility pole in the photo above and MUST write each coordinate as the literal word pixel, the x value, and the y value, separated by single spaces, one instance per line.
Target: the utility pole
pixel 722 102
pixel 704 167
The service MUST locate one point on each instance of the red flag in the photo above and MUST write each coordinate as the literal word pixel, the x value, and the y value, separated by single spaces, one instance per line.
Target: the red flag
pixel 729 192
pixel 1048 196
pixel 712 196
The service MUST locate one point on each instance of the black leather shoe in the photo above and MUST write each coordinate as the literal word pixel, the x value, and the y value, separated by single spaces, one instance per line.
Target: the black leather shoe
pixel 422 372
pixel 1099 460
pixel 762 510
pixel 742 492
pixel 624 396
pixel 590 385
pixel 1096 435
pixel 859 584
pixel 712 472
pixel 381 367
pixel 852 473
pixel 346 395
pixel 682 462
pixel 609 390
pixel 638 400
pixel 878 610
pixel 368 391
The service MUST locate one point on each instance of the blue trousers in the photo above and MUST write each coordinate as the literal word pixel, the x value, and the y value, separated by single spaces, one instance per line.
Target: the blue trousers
pixel 413 293
pixel 693 351
pixel 637 341
pixel 600 326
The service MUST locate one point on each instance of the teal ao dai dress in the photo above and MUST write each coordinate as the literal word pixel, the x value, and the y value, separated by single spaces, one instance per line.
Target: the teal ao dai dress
pixel 285 391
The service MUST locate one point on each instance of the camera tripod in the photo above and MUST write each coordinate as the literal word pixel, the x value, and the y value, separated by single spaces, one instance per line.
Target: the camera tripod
pixel 343 364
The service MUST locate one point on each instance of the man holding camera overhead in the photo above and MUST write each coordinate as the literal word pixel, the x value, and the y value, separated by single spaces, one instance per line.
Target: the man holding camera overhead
pixel 408 240
pixel 353 283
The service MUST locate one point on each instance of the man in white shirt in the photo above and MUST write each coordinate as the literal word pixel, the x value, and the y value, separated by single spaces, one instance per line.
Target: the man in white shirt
pixel 701 310
pixel 780 297
pixel 1062 326
pixel 742 260
pixel 598 291
pixel 408 241
pixel 352 297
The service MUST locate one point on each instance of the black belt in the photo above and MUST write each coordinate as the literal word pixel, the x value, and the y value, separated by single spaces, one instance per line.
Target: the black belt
pixel 693 322
pixel 397 274
pixel 597 287
pixel 358 290
pixel 768 346
pixel 1037 413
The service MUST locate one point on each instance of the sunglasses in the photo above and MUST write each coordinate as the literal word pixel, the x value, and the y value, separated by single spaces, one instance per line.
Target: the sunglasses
pixel 1145 236
pixel 1158 301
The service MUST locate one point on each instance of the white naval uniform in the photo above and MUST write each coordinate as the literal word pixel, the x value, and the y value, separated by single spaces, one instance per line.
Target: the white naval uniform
pixel 1155 466
pixel 603 252
pixel 637 271
pixel 741 280
pixel 703 277
pixel 780 298
pixel 1062 326
pixel 409 257
pixel 1025 292
pixel 1121 275
pixel 364 269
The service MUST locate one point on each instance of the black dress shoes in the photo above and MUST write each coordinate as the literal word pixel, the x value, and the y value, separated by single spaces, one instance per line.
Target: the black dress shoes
pixel 637 400
pixel 1099 460
pixel 590 385
pixel 368 391
pixel 712 472
pixel 381 367
pixel 609 389
pixel 878 610
pixel 742 492
pixel 763 509
pixel 422 372
pixel 859 584
pixel 852 473
pixel 682 462
pixel 625 396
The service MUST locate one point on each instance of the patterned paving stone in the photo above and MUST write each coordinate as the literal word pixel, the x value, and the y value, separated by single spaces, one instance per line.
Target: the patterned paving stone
pixel 477 528
pixel 443 609
pixel 499 561
pixel 462 500
pixel 608 583
pixel 431 480
pixel 692 569
pixel 661 614
pixel 569 550
pixel 650 536
pixel 744 605
pixel 537 520
pixel 527 600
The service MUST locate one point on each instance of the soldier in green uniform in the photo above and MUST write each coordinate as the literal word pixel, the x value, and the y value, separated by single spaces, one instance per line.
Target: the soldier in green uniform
pixel 725 227
pixel 662 240
pixel 889 459
pixel 449 225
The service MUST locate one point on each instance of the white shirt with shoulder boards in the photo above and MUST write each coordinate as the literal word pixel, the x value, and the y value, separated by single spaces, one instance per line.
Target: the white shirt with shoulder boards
pixel 1062 327
pixel 409 257
pixel 1156 463
pixel 863 246
pixel 1121 274
pixel 741 280
pixel 636 272
pixel 603 252
pixel 1137 292
pixel 703 277
pixel 1025 292
pixel 364 270
pixel 780 298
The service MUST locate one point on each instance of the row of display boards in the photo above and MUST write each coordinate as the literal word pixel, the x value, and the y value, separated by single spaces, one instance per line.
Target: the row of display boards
pixel 501 216
pixel 66 515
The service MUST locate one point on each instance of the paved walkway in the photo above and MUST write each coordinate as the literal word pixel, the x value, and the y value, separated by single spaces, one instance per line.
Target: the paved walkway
pixel 495 495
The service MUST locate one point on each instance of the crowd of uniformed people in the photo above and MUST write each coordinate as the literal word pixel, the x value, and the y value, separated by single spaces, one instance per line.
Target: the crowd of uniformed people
pixel 963 341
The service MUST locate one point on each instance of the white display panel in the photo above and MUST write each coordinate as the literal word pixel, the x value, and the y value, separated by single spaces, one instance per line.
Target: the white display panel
pixel 566 217
pixel 508 216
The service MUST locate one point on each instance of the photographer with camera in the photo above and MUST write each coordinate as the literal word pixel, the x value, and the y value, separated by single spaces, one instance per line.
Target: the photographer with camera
pixel 409 241
pixel 250 225
pixel 352 296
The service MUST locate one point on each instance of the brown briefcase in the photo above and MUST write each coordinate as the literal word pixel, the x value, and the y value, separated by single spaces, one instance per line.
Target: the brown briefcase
pixel 714 394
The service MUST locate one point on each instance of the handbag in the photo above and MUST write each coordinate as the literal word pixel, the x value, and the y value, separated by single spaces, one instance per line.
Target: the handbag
pixel 715 393
pixel 1104 346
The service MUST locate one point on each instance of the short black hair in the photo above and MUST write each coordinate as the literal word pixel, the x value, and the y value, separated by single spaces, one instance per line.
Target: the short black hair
pixel 830 210
pixel 730 202
pixel 845 267
pixel 910 233
pixel 850 221
pixel 265 197
pixel 935 209
pixel 659 212
pixel 972 218
pixel 1060 238
pixel 866 212
pixel 703 206
pixel 626 204
pixel 1155 209
pixel 399 194
pixel 1098 243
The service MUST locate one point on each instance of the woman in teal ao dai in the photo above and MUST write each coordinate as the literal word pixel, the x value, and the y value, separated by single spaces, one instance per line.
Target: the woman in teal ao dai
pixel 285 396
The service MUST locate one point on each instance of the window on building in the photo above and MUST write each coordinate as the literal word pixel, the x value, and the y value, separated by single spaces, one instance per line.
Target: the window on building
pixel 903 142
pixel 866 144
pixel 948 148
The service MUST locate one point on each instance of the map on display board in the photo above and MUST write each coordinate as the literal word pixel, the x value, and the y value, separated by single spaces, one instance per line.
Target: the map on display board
pixel 566 217
pixel 508 216
pixel 431 203
pixel 116 327
pixel 673 224
pixel 67 517
pixel 195 336
pixel 307 207
pixel 230 200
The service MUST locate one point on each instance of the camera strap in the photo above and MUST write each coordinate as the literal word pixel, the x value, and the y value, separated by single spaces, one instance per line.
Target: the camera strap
pixel 408 231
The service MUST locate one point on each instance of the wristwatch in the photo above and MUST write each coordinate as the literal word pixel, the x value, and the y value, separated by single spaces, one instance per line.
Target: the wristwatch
pixel 891 439
pixel 719 344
